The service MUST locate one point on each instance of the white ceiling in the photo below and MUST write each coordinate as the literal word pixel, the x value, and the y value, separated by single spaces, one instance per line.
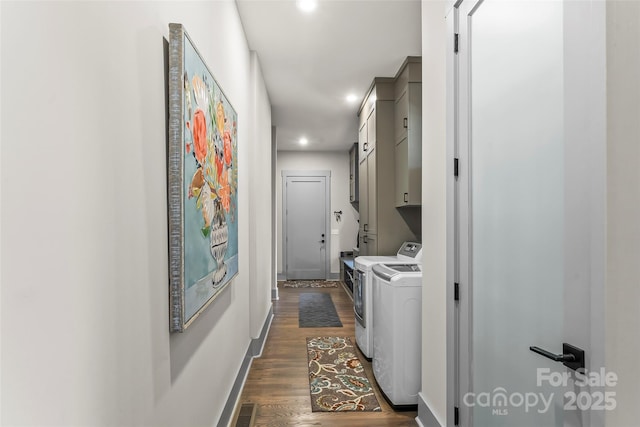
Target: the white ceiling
pixel 311 61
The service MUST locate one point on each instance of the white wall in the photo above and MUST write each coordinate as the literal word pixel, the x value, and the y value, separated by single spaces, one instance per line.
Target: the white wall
pixel 84 302
pixel 343 233
pixel 260 215
pixel 623 209
pixel 434 209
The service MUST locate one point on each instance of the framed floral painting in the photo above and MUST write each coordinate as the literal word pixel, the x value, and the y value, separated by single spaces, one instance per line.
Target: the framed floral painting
pixel 203 183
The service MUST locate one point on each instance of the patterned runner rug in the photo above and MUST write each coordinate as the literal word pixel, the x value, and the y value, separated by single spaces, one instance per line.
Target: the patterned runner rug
pixel 308 284
pixel 337 378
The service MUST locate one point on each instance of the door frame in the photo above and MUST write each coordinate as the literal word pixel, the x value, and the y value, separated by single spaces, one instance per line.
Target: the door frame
pixel 327 228
pixel 457 308
pixel 585 129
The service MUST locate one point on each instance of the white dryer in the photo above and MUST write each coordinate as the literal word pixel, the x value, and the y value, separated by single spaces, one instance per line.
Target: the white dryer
pixel 409 252
pixel 397 316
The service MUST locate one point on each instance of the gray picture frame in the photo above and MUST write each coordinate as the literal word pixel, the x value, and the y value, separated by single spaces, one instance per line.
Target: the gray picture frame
pixel 202 184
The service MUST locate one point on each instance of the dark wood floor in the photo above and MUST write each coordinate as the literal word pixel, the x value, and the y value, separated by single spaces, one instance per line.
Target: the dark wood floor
pixel 278 382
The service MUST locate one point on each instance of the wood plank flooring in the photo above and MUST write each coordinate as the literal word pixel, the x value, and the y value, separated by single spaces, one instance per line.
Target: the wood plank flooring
pixel 278 382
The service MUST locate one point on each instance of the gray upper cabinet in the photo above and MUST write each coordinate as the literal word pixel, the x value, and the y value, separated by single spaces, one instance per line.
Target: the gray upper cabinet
pixel 363 204
pixel 402 175
pixel 408 134
pixel 401 121
pixel 363 143
pixel 354 178
pixel 367 132
pixel 382 229
pixel 371 131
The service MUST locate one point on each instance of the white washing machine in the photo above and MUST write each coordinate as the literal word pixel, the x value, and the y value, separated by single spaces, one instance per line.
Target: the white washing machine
pixel 397 308
pixel 409 252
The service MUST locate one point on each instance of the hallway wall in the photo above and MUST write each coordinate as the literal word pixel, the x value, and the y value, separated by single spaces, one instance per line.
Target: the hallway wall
pixel 434 211
pixel 260 200
pixel 343 233
pixel 623 209
pixel 84 264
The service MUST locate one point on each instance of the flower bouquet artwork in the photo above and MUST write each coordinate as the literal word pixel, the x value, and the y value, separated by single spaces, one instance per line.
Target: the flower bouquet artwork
pixel 203 183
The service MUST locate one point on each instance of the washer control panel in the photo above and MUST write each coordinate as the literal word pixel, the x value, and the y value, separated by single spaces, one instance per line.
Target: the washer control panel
pixel 411 250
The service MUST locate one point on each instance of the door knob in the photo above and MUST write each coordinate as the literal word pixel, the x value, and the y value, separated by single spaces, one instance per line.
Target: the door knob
pixel 572 357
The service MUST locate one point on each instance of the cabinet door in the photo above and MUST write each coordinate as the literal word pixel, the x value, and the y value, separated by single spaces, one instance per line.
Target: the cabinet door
pixel 408 149
pixel 362 142
pixel 372 244
pixel 371 132
pixel 369 243
pixel 402 173
pixel 353 174
pixel 352 180
pixel 372 194
pixel 401 117
pixel 414 144
pixel 364 248
pixel 364 196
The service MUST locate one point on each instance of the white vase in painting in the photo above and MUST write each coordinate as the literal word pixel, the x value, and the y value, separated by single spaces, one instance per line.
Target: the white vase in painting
pixel 219 243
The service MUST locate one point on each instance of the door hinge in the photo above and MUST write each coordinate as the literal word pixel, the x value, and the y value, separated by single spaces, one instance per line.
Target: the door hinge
pixel 455 43
pixel 456 169
pixel 456 416
pixel 456 291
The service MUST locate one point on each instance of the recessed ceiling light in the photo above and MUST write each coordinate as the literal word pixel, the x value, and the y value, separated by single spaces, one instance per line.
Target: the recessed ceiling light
pixel 307 5
pixel 303 141
pixel 352 98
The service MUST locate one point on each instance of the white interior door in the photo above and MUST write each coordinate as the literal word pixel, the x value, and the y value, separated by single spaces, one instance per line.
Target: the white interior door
pixel 306 227
pixel 525 273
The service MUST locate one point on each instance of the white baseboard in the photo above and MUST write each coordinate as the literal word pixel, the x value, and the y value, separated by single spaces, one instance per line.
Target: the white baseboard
pixel 425 417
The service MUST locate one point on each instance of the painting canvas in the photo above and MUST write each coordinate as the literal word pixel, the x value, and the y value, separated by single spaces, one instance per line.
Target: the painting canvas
pixel 203 183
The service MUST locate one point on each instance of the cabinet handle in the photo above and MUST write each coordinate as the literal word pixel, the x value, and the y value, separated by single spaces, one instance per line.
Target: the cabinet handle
pixel 365 146
pixel 404 123
pixel 366 227
pixel 351 198
pixel 406 197
pixel 365 239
